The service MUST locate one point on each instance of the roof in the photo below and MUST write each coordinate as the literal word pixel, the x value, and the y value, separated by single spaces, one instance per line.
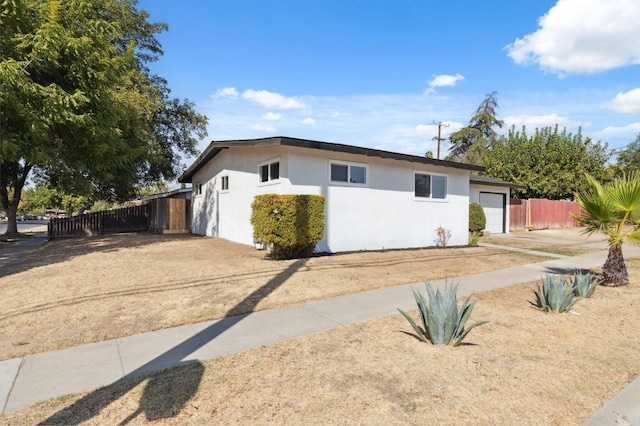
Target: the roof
pixel 483 180
pixel 216 147
pixel 167 194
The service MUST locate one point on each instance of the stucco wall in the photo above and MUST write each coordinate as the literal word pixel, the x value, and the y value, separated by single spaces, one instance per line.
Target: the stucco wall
pixel 382 214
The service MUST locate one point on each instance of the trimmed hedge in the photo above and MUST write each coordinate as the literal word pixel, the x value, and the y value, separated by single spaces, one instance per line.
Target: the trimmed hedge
pixel 477 219
pixel 291 224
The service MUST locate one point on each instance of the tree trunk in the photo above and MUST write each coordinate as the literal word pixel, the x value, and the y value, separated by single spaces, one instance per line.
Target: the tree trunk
pixel 614 271
pixel 12 224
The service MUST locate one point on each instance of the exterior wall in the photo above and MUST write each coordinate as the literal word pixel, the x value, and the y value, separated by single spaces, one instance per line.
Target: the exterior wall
pixel 474 197
pixel 382 214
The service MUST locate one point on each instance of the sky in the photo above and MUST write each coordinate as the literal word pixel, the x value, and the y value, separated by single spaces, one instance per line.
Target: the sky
pixel 383 73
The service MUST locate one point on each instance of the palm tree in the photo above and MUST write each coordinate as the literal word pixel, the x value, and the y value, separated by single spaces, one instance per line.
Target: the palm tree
pixel 613 210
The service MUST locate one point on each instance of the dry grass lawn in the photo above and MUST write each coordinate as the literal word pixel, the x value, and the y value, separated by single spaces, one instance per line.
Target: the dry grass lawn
pixel 524 367
pixel 83 290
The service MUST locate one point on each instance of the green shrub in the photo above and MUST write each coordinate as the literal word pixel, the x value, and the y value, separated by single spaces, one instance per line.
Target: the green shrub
pixel 291 225
pixel 477 219
pixel 474 238
pixel 556 294
pixel 442 323
pixel 584 283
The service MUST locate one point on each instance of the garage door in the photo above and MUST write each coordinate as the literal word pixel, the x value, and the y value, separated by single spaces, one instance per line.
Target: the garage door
pixel 493 206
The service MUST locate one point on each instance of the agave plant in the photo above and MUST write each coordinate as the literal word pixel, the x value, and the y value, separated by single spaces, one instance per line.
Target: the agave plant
pixel 556 294
pixel 442 322
pixel 585 283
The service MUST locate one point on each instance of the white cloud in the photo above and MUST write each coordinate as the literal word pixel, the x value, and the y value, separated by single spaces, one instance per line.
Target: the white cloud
pixel 539 121
pixel 226 92
pixel 626 103
pixel 308 120
pixel 618 136
pixel 266 128
pixel 272 116
pixel 583 36
pixel 443 80
pixel 272 100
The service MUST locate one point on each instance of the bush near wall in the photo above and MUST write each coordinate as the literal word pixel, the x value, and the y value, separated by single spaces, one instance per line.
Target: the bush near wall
pixel 477 219
pixel 291 224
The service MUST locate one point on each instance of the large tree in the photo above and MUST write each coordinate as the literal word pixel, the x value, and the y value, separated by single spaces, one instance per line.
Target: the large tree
pixel 79 106
pixel 550 163
pixel 468 143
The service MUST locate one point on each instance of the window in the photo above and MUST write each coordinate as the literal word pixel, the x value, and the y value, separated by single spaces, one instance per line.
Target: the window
pixel 197 189
pixel 225 183
pixel 348 173
pixel 270 171
pixel 430 186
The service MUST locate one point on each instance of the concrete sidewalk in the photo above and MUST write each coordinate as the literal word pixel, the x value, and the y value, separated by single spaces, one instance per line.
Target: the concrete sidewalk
pixel 38 377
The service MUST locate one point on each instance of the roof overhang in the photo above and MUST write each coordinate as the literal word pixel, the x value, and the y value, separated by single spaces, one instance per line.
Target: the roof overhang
pixel 216 147
pixel 483 180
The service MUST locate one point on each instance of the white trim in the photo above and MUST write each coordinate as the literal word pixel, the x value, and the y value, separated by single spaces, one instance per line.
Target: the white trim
pixel 430 198
pixel 349 164
pixel 268 163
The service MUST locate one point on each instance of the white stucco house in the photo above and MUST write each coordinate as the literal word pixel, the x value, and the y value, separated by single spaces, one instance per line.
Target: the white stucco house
pixel 374 199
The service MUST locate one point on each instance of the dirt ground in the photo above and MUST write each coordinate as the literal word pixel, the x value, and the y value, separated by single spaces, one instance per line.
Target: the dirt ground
pixel 75 291
pixel 523 367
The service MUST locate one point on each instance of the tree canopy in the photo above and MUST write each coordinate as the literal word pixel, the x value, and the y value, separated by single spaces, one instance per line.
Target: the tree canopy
pixel 628 160
pixel 79 106
pixel 551 163
pixel 468 143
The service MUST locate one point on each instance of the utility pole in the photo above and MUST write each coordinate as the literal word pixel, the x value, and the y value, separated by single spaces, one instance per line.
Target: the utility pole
pixel 438 138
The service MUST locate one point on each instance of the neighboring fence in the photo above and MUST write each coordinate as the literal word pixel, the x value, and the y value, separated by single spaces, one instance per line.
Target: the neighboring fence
pixel 170 215
pixel 127 219
pixel 541 213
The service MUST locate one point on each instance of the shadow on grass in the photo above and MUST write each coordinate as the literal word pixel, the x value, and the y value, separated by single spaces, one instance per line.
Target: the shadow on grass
pixel 166 392
pixel 58 251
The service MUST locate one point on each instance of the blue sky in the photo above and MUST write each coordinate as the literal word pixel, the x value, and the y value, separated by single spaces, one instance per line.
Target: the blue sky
pixel 383 73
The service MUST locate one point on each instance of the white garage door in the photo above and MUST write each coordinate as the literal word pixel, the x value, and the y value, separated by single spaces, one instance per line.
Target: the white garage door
pixel 493 206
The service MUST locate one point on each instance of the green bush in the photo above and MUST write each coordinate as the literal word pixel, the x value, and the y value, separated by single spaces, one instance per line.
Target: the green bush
pixel 291 225
pixel 477 219
pixel 556 294
pixel 441 320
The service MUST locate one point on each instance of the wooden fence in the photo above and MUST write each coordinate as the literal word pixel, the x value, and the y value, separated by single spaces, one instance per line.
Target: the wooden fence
pixel 541 213
pixel 127 219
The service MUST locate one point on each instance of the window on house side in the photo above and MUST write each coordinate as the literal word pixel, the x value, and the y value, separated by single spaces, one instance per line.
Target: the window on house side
pixel 430 186
pixel 339 173
pixel 274 171
pixel 197 189
pixel 225 183
pixel 264 173
pixel 348 173
pixel 358 174
pixel 270 171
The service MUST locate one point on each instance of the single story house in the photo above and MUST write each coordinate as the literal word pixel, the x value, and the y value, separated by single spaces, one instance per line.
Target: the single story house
pixel 374 199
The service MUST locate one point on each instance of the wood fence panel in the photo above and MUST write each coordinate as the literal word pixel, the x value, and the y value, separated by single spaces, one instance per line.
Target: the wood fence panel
pixel 537 213
pixel 177 214
pixel 128 219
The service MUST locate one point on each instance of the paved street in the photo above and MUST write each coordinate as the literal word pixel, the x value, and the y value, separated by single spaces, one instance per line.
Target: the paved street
pixel 26 226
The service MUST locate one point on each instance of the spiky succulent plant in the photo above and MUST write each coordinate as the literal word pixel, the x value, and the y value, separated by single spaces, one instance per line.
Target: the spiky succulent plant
pixel 585 283
pixel 442 322
pixel 556 294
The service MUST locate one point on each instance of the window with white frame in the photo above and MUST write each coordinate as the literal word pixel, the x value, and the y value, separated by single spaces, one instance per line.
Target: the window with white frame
pixel 348 173
pixel 224 183
pixel 197 189
pixel 430 186
pixel 269 171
